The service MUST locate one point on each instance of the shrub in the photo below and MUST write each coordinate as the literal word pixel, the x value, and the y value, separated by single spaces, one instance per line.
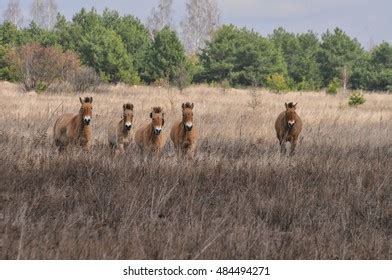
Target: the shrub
pixel 37 67
pixel 84 79
pixel 182 78
pixel 356 98
pixel 225 85
pixel 277 83
pixel 164 57
pixel 333 86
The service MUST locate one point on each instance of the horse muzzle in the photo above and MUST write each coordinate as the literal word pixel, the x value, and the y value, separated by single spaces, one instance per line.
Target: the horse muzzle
pixel 86 120
pixel 128 126
pixel 290 124
pixel 157 130
pixel 188 126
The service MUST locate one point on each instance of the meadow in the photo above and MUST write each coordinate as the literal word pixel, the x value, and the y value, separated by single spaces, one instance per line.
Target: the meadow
pixel 238 199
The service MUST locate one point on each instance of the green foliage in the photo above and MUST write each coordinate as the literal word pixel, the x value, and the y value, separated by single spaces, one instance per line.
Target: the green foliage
pixel 6 72
pixel 277 83
pixel 120 49
pixel 133 33
pixel 333 86
pixel 103 50
pixel 356 98
pixel 374 70
pixel 240 56
pixel 165 56
pixel 299 52
pixel 337 51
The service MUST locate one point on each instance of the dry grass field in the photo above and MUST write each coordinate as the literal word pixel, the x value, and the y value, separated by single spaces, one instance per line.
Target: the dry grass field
pixel 238 199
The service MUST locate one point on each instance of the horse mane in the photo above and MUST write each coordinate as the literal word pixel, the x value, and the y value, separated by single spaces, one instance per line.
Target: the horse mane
pixel 157 110
pixel 290 105
pixel 128 106
pixel 87 100
pixel 187 105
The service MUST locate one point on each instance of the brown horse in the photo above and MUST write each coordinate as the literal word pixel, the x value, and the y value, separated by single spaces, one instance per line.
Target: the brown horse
pixel 288 126
pixel 75 129
pixel 149 137
pixel 119 132
pixel 183 133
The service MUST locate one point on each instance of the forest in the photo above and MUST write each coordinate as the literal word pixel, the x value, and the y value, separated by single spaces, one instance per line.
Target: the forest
pixel 108 47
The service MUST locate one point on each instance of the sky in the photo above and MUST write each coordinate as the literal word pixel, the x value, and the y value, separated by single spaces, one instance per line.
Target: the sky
pixel 368 21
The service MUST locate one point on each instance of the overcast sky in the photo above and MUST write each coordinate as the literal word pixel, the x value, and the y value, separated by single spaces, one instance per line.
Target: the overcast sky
pixel 369 21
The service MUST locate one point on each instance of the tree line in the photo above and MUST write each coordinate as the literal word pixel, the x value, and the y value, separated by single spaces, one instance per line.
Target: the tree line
pixel 120 48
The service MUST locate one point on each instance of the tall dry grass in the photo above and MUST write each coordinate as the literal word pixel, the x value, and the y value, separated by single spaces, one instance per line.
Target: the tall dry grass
pixel 239 199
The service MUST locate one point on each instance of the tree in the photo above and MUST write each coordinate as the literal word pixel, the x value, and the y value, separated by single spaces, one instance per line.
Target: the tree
pixel 201 21
pixel 37 66
pixel 103 50
pixel 240 56
pixel 165 56
pixel 381 60
pixel 13 13
pixel 44 13
pixel 160 17
pixel 338 52
pixel 374 70
pixel 9 34
pixel 300 52
pixel 134 35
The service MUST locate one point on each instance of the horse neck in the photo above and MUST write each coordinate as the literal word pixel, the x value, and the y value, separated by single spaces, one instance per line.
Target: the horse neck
pixel 182 131
pixel 151 135
pixel 121 126
pixel 81 128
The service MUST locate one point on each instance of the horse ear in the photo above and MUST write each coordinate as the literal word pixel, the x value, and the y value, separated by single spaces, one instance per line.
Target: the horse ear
pixel 183 106
pixel 192 105
pixel 124 107
pixel 81 100
pixel 295 105
pixel 151 115
pixel 285 104
pixel 91 99
pixel 131 106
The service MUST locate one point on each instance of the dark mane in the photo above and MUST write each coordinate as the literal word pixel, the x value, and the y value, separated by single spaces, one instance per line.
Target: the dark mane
pixel 128 106
pixel 87 100
pixel 290 105
pixel 188 105
pixel 157 110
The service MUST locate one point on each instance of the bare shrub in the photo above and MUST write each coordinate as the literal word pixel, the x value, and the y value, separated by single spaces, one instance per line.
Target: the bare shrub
pixel 84 79
pixel 254 101
pixel 37 67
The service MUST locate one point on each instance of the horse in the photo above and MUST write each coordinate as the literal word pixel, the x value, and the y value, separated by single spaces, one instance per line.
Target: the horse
pixel 183 133
pixel 149 138
pixel 119 132
pixel 288 126
pixel 75 129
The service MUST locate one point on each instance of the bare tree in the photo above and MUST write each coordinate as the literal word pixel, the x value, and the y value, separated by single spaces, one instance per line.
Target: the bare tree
pixel 160 16
pixel 13 13
pixel 200 22
pixel 44 13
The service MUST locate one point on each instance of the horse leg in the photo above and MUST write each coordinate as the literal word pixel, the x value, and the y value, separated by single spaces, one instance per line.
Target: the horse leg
pixel 282 144
pixel 121 148
pixel 191 152
pixel 293 145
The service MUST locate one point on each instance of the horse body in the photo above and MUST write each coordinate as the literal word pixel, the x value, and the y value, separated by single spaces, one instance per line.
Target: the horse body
pixel 149 138
pixel 119 132
pixel 74 129
pixel 183 133
pixel 288 126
